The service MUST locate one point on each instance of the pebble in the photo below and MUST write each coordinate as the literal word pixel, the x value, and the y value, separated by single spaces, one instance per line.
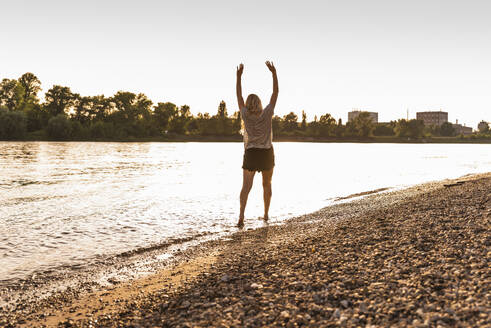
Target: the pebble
pixel 336 314
pixel 285 314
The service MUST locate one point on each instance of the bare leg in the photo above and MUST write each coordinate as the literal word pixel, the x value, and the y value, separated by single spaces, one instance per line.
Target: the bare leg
pixel 248 178
pixel 267 192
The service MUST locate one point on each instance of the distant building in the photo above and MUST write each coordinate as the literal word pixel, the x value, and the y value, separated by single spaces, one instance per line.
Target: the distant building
pixel 483 126
pixel 354 114
pixel 462 129
pixel 432 118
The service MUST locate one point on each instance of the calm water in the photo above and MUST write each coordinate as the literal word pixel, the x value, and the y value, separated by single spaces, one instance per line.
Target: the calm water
pixel 68 203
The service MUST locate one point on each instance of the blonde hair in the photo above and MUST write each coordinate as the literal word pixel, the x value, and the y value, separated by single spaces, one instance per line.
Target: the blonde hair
pixel 253 104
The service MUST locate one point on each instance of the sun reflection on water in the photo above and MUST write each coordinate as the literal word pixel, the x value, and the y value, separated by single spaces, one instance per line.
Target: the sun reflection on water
pixel 65 203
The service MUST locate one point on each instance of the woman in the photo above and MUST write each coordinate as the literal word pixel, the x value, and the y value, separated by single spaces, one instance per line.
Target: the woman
pixel 258 134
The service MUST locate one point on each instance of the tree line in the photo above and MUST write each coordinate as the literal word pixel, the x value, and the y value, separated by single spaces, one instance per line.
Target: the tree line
pixel 65 115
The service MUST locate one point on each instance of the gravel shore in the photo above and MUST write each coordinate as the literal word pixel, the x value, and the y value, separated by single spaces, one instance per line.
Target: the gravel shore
pixel 418 257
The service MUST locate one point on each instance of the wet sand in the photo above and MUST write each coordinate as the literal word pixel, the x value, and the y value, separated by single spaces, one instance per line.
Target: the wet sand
pixel 415 257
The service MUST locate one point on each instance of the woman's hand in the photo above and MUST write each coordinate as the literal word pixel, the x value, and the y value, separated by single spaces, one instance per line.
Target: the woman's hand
pixel 240 100
pixel 240 69
pixel 274 96
pixel 271 66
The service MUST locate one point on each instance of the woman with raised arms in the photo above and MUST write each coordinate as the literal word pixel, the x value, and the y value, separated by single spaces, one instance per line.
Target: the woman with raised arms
pixel 258 146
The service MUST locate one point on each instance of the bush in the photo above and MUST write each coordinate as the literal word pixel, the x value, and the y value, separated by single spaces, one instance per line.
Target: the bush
pixel 79 131
pixel 59 127
pixel 37 118
pixel 13 125
pixel 103 130
pixel 382 129
pixel 447 130
pixel 97 130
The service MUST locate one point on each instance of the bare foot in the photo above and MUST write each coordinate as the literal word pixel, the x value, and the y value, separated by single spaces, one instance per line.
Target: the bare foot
pixel 266 218
pixel 240 224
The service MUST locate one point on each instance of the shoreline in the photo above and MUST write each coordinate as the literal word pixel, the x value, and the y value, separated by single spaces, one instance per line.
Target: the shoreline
pixel 238 138
pixel 200 265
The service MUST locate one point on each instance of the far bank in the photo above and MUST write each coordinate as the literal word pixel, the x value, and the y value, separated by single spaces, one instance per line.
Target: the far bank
pixel 276 138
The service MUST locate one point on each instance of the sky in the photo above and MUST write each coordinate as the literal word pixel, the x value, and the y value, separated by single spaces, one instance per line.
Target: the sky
pixel 387 56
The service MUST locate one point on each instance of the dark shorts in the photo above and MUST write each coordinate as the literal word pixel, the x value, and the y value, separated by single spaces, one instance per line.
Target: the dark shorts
pixel 258 159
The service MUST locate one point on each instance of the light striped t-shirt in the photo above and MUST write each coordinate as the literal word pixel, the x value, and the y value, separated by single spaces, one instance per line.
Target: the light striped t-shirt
pixel 258 130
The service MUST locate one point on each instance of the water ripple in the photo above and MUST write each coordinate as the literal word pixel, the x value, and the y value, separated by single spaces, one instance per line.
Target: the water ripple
pixel 68 204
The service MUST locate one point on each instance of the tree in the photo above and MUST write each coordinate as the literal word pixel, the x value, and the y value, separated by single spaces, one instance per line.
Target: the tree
pixel 277 125
pixel 303 125
pixel 163 113
pixel 178 123
pixel 192 126
pixel 101 108
pixel 37 117
pixel 13 125
pixel 88 109
pixel 237 122
pixel 416 128
pixel 98 130
pixel 409 129
pixel 31 85
pixel 143 106
pixel 327 125
pixel 340 128
pixel 383 129
pixel 363 124
pixel 11 94
pixel 224 125
pixel 290 122
pixel 483 127
pixel 350 129
pixel 59 127
pixel 83 110
pixel 206 124
pixel 59 100
pixel 79 131
pixel 222 110
pixel 132 112
pixel 125 106
pixel 447 129
pixel 185 111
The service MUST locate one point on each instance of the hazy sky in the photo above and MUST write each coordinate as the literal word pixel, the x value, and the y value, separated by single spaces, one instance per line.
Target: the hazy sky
pixel 331 56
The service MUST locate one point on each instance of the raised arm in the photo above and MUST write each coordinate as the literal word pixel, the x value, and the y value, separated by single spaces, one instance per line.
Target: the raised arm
pixel 274 96
pixel 240 100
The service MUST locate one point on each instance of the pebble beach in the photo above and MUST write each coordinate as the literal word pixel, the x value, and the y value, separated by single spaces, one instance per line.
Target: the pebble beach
pixel 418 257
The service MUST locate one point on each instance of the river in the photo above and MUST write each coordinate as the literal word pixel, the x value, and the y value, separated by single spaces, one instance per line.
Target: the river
pixel 66 203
